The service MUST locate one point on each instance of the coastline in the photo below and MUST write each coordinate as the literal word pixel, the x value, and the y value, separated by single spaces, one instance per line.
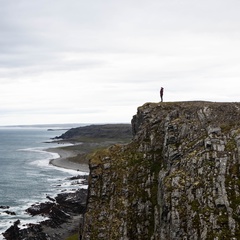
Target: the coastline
pixel 64 222
pixel 63 160
pixel 65 210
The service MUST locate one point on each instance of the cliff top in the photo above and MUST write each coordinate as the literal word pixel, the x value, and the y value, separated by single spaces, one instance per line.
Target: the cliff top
pixel 224 113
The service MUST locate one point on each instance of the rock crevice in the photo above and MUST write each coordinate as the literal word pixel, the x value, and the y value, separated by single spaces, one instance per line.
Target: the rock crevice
pixel 178 178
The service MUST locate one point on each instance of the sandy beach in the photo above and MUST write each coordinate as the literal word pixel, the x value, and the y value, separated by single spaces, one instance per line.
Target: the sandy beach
pixel 64 162
pixel 71 226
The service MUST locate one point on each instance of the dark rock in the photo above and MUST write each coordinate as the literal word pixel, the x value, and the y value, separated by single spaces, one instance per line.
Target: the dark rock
pixel 10 213
pixel 50 198
pixel 78 177
pixel 66 206
pixel 4 207
pixel 13 232
pixel 40 209
pixel 58 216
pixel 33 232
pixel 73 202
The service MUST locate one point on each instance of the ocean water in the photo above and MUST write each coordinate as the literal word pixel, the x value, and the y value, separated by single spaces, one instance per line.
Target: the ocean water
pixel 25 174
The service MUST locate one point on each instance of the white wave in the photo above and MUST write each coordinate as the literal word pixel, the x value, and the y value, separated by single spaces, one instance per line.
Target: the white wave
pixel 45 162
pixel 34 149
pixel 42 163
pixel 62 185
pixel 7 220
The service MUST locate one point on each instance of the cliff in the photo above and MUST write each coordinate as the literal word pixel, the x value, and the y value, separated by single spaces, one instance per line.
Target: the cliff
pixel 177 179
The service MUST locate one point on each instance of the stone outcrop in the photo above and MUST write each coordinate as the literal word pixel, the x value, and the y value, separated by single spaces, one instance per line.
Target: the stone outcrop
pixel 61 212
pixel 178 178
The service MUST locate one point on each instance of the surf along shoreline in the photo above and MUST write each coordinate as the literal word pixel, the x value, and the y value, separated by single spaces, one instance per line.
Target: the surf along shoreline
pixel 64 160
pixel 62 221
pixel 74 157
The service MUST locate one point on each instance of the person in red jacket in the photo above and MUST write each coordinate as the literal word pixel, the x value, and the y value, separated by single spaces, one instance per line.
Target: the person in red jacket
pixel 161 93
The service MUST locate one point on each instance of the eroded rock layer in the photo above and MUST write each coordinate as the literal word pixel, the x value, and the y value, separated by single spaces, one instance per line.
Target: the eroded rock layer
pixel 178 178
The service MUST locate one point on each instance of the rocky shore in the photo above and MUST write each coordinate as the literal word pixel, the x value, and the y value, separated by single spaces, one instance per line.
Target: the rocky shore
pixel 63 212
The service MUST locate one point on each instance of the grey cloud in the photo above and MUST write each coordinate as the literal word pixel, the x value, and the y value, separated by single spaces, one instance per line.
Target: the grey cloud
pixel 136 45
pixel 46 60
pixel 47 26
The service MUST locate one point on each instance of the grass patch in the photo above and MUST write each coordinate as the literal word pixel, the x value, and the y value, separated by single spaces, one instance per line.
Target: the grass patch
pixel 231 145
pixel 88 147
pixel 195 205
pixel 110 131
pixel 73 237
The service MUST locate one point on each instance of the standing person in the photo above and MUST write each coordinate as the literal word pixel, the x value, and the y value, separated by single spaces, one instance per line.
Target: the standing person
pixel 161 93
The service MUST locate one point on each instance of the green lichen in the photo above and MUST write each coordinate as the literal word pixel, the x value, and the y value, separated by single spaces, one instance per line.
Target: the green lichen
pixel 195 205
pixel 225 127
pixel 231 145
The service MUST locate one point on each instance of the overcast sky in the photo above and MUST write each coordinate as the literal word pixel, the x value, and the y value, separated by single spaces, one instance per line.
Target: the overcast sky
pixel 78 61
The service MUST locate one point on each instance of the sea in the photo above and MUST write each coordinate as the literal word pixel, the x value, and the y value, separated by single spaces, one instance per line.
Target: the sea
pixel 26 177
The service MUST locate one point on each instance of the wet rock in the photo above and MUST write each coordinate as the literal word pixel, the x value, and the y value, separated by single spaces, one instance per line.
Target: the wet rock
pixel 40 209
pixel 4 207
pixel 10 212
pixel 50 198
pixel 12 232
pixel 78 177
pixel 57 216
pixel 66 206
pixel 73 202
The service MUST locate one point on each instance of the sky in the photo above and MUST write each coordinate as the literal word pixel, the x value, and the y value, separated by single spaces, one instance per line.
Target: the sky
pixel 78 61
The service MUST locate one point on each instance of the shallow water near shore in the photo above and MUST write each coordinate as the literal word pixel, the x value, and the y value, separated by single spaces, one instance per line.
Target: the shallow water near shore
pixel 25 174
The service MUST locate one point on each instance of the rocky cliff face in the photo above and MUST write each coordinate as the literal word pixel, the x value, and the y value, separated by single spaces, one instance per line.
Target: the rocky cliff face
pixel 178 178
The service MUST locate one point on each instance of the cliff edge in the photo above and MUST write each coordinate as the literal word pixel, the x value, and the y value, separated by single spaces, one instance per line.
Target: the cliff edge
pixel 177 179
